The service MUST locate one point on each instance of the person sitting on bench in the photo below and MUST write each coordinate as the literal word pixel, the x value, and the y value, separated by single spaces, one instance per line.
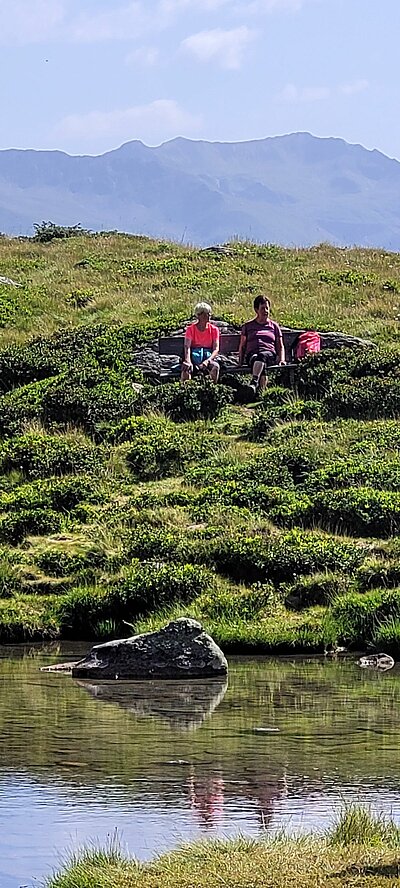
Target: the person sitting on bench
pixel 201 345
pixel 261 343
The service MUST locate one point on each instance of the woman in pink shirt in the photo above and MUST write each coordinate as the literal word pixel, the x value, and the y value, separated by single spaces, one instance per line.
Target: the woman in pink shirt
pixel 201 345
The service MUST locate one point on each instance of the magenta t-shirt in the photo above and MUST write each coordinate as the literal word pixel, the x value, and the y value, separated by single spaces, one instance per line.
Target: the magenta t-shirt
pixel 261 337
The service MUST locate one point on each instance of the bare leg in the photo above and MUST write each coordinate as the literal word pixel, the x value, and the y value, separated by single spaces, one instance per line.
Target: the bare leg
pixel 263 381
pixel 258 379
pixel 186 373
pixel 214 372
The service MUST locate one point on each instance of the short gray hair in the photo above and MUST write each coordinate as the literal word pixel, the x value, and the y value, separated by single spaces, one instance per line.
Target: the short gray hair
pixel 202 307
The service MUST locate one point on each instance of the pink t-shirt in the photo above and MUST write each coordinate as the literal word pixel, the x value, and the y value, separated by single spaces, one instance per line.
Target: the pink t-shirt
pixel 202 338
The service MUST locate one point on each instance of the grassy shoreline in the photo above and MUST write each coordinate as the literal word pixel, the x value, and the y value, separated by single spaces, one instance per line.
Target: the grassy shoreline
pixel 361 849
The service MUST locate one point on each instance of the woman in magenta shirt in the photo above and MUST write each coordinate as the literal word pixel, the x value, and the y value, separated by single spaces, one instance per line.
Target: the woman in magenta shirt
pixel 261 343
pixel 201 345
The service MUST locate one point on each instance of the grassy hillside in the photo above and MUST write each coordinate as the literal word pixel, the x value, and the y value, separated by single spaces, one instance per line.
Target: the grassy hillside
pixel 122 502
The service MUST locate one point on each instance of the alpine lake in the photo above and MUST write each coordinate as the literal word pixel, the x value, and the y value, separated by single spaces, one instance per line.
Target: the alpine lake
pixel 282 744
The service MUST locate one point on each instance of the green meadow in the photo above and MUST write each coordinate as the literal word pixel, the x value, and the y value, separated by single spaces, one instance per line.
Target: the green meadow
pixel 124 503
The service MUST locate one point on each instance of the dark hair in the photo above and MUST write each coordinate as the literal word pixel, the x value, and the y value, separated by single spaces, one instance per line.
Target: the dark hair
pixel 260 300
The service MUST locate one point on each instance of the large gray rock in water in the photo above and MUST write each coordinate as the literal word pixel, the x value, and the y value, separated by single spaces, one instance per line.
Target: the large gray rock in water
pixel 180 650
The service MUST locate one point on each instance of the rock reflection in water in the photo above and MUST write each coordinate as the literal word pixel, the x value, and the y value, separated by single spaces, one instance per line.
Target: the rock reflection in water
pixel 184 705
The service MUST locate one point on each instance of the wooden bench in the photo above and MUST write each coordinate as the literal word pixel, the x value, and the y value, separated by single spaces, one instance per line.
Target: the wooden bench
pixel 228 347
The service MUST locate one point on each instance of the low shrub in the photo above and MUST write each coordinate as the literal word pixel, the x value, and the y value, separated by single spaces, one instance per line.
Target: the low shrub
pixel 361 471
pixel 48 231
pixel 198 399
pixel 319 588
pixel 376 572
pixel 281 558
pixel 359 511
pixel 284 507
pixel 371 398
pixel 15 526
pixel 147 587
pixel 57 563
pixel 88 398
pixel 358 616
pixel 158 448
pixel 264 420
pixel 38 455
pixel 144 588
pixel 61 494
pixel 239 603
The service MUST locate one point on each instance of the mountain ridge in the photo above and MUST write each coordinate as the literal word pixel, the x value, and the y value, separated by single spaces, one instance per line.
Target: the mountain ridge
pixel 295 189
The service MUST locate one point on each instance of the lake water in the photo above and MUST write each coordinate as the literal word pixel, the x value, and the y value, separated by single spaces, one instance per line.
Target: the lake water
pixel 282 745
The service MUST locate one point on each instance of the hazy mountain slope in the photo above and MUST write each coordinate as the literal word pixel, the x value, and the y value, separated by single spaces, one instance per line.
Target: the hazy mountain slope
pixel 294 189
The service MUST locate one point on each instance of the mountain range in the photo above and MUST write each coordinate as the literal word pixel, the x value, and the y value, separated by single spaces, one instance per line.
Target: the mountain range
pixel 294 190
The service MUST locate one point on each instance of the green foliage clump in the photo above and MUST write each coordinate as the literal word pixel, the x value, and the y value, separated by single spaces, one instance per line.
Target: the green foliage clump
pixel 356 471
pixel 279 558
pixel 319 588
pixel 197 399
pixel 38 455
pixel 61 494
pixel 48 231
pixel 359 616
pixel 239 603
pixel 262 422
pixel 158 448
pixel 88 398
pixel 359 511
pixel 145 587
pixel 15 526
pixel 59 563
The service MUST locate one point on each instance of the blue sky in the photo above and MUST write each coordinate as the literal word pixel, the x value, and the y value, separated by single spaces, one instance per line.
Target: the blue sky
pixel 84 76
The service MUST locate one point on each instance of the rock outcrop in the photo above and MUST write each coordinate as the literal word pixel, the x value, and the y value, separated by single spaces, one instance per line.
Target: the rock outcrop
pixel 180 650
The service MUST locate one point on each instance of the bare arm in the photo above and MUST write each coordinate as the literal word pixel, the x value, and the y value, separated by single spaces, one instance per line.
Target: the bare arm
pixel 242 348
pixel 187 343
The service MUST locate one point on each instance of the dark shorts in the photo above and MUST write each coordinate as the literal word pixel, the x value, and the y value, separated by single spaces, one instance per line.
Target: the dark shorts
pixel 197 371
pixel 268 358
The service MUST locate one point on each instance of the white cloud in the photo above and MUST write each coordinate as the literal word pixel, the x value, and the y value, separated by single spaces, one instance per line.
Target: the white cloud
pixel 294 94
pixel 146 56
pixel 275 5
pixel 118 23
pixel 351 89
pixel 152 124
pixel 29 21
pixel 226 47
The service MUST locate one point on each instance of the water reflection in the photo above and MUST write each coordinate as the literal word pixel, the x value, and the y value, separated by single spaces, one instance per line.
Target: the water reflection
pixel 183 705
pixel 281 747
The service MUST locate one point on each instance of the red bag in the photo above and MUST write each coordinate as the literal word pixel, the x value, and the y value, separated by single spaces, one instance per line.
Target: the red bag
pixel 306 343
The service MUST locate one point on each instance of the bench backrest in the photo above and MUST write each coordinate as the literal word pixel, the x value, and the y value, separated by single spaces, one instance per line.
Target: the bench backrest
pixel 228 343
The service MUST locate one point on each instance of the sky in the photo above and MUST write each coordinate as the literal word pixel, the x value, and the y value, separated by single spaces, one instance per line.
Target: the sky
pixel 85 76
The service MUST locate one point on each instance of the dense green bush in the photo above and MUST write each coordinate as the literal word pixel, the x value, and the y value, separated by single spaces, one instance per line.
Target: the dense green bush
pixel 371 398
pixel 238 603
pixel 144 588
pixel 197 399
pixel 319 588
pixel 358 616
pixel 57 563
pixel 361 471
pixel 88 398
pixel 37 455
pixel 282 558
pixel 359 511
pixel 264 420
pixel 147 587
pixel 158 448
pixel 377 572
pixel 157 543
pixel 48 231
pixel 284 507
pixel 61 494
pixel 15 526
